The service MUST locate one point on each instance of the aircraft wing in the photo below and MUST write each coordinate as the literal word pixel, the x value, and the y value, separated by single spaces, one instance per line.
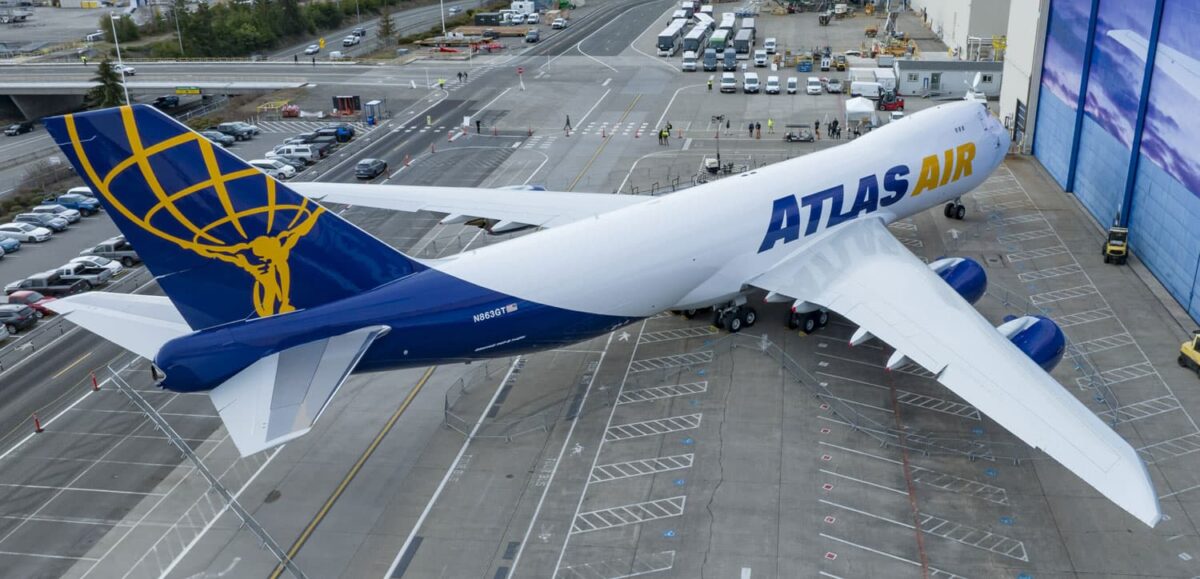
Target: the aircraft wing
pixel 279 397
pixel 509 206
pixel 860 271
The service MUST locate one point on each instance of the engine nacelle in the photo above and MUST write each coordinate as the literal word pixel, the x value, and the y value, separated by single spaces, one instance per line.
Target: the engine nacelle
pixel 1039 337
pixel 963 274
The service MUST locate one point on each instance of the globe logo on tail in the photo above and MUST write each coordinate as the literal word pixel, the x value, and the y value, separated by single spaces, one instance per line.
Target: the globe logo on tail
pixel 234 217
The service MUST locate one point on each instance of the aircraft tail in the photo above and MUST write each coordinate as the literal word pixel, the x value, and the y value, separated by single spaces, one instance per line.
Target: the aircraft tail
pixel 225 241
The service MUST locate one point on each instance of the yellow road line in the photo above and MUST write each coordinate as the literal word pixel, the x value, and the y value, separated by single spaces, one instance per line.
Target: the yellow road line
pixel 72 365
pixel 603 144
pixel 312 525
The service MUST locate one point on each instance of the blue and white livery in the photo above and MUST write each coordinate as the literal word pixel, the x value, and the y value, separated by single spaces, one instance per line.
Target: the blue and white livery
pixel 272 301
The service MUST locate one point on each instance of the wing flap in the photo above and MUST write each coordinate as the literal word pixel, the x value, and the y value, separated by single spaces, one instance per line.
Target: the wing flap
pixel 279 397
pixel 538 208
pixel 862 272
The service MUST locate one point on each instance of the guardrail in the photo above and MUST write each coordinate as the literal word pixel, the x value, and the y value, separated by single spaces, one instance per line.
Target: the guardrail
pixel 506 429
pixel 49 330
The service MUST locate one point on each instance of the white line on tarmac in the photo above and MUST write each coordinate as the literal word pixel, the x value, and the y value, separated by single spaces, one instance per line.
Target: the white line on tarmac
pixel 866 482
pixel 600 447
pixel 579 122
pixel 672 101
pixel 561 452
pixel 449 471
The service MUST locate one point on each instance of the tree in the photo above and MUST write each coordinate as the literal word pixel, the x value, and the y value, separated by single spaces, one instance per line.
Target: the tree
pixel 108 91
pixel 386 28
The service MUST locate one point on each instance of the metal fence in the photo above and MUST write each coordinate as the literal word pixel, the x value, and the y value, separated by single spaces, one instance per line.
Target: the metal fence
pixel 465 398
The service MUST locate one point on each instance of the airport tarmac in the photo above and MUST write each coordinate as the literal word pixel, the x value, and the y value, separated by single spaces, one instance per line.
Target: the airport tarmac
pixel 667 448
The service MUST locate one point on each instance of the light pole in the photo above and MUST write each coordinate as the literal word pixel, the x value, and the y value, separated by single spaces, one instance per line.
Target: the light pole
pixel 442 9
pixel 175 12
pixel 112 20
pixel 357 14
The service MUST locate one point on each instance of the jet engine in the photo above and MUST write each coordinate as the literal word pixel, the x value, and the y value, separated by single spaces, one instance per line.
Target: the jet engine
pixel 1039 337
pixel 963 274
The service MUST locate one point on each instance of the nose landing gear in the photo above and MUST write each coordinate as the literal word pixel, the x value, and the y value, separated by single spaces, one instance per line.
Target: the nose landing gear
pixel 955 210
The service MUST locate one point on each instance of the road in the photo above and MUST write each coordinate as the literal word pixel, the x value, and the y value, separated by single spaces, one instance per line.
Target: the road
pixel 403 22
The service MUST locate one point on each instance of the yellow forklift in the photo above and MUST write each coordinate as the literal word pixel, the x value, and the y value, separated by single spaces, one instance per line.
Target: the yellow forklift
pixel 1189 353
pixel 1116 247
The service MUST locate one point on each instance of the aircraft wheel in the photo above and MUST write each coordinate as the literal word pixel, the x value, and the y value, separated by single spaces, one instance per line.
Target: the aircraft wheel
pixel 734 323
pixel 793 321
pixel 960 212
pixel 810 324
pixel 949 210
pixel 718 319
pixel 1107 259
pixel 689 314
pixel 822 318
pixel 749 316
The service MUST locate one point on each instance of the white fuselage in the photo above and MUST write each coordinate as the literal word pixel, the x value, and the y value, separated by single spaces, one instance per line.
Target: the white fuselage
pixel 703 245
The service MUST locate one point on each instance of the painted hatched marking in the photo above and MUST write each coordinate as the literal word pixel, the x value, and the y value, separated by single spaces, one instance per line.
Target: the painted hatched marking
pixel 1036 253
pixel 973 537
pixel 632 468
pixel 360 127
pixel 1122 374
pixel 917 243
pixel 620 568
pixel 1026 236
pixel 628 515
pixel 933 571
pixel 988 194
pixel 679 334
pixel 1050 272
pixel 1017 219
pixel 1004 205
pixel 1143 409
pixel 937 404
pixel 673 361
pixel 1180 446
pixel 661 315
pixel 914 369
pixel 652 427
pixel 1083 317
pixel 660 392
pixel 1099 345
pixel 1063 294
pixel 903 226
pixel 962 486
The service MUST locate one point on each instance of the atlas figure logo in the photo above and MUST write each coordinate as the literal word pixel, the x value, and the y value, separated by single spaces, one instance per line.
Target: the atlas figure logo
pixel 785 211
pixel 239 236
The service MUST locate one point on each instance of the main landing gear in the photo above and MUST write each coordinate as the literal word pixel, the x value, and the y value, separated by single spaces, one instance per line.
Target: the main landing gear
pixel 809 322
pixel 734 317
pixel 955 210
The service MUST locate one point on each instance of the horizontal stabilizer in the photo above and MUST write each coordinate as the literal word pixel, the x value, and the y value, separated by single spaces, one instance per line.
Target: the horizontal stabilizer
pixel 279 397
pixel 140 324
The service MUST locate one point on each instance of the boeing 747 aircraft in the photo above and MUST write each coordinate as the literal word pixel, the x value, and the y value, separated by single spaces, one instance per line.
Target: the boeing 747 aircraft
pixel 272 301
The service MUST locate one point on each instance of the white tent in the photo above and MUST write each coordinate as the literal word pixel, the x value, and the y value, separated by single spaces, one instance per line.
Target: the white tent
pixel 860 110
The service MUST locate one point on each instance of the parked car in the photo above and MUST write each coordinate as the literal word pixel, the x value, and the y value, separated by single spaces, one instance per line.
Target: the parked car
pixel 351 40
pixel 82 190
pixel 4 333
pixel 95 260
pixel 18 129
pixel 32 299
pixel 9 245
pixel 813 85
pixel 47 220
pixel 728 82
pixel 343 131
pixel 760 58
pixel 166 102
pixel 81 203
pixel 772 85
pixel 17 317
pixel 312 49
pixel 532 35
pixel 792 85
pixel 235 130
pixel 124 69
pixel 47 283
pixel 453 10
pixel 305 152
pixel 370 168
pixel 750 83
pixel 71 215
pixel 532 18
pixel 115 248
pixel 25 233
pixel 92 275
pixel 218 137
pixel 834 85
pixel 274 167
pixel 295 163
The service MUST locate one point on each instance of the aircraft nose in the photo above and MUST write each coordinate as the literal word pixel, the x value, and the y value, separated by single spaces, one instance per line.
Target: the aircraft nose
pixel 997 138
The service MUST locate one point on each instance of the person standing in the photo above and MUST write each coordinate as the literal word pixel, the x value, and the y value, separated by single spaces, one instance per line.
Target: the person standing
pixel 726 126
pixel 460 78
pixel 770 126
pixel 751 130
pixel 567 126
pixel 710 84
pixel 465 76
pixel 478 126
pixel 757 130
pixel 817 128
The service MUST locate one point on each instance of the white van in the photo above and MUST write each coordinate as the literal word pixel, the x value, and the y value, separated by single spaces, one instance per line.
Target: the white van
pixel 813 85
pixel 274 167
pixel 728 82
pixel 772 85
pixel 689 61
pixel 792 85
pixel 770 45
pixel 750 82
pixel 307 153
pixel 871 90
pixel 760 57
